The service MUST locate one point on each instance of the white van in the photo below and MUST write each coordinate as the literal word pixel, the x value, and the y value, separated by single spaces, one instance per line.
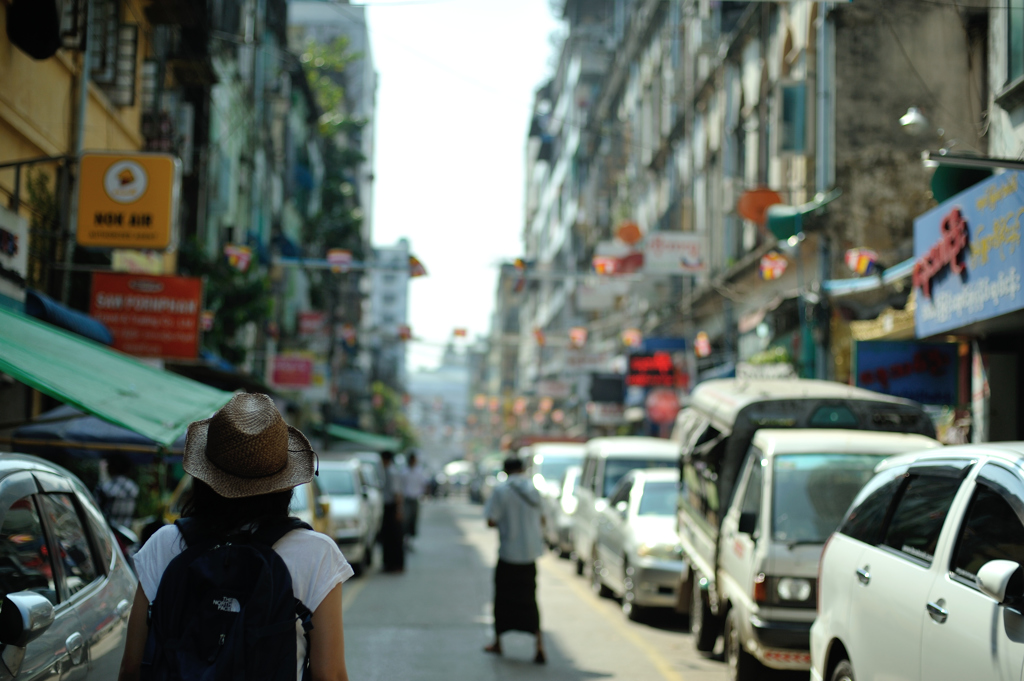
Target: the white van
pixel 606 461
pixel 793 492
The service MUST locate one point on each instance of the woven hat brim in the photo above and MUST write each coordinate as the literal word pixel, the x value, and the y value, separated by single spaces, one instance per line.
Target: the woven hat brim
pixel 298 471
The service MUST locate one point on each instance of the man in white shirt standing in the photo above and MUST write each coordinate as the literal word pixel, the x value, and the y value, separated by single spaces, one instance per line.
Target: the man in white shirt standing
pixel 514 507
pixel 415 485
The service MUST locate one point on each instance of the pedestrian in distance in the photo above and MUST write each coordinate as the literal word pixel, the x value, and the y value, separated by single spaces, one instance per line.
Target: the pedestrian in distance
pixel 118 494
pixel 514 507
pixel 414 487
pixel 235 588
pixel 391 532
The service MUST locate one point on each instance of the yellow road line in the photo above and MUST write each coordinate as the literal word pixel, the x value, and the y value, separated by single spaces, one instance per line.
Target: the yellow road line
pixel 659 662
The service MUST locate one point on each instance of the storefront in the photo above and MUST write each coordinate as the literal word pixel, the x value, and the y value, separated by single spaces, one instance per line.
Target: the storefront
pixel 968 260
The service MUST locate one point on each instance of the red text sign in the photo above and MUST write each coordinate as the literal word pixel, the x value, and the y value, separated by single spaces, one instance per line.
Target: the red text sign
pixel 948 251
pixel 149 316
pixel 652 370
pixel 292 372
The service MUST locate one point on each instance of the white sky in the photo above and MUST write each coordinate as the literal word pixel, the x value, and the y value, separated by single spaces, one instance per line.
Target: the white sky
pixel 456 85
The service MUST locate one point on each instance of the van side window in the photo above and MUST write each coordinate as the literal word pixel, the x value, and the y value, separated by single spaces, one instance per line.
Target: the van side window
pixel 752 494
pixel 993 528
pixel 700 483
pixel 587 477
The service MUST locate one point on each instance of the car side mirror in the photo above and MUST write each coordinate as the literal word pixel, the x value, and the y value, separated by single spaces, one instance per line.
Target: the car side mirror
pixel 748 523
pixel 1003 581
pixel 621 508
pixel 24 616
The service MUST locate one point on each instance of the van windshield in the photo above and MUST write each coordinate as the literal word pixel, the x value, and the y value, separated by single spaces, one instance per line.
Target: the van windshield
pixel 337 482
pixel 614 469
pixel 552 467
pixel 659 499
pixel 811 493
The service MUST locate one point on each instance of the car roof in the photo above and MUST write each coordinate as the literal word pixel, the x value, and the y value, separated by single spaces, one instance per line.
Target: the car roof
pixel 1011 453
pixel 724 398
pixel 632 446
pixel 656 474
pixel 12 462
pixel 553 449
pixel 773 441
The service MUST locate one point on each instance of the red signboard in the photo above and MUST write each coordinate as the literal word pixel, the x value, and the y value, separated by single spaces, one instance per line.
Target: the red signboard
pixel 291 371
pixel 662 405
pixel 651 370
pixel 149 316
pixel 312 323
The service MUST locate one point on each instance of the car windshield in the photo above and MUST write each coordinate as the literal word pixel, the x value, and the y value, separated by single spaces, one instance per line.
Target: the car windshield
pixel 337 482
pixel 811 493
pixel 553 467
pixel 614 469
pixel 659 499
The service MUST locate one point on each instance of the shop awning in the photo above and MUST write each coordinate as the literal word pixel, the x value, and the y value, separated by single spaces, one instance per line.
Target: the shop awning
pixel 371 440
pixel 787 221
pixel 42 306
pixel 108 384
pixel 845 287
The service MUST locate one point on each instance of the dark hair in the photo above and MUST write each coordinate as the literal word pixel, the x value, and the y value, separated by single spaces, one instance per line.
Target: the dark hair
pixel 513 464
pixel 118 463
pixel 387 456
pixel 222 516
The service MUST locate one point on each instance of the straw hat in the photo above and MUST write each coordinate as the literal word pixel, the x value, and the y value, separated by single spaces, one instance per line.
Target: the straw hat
pixel 246 449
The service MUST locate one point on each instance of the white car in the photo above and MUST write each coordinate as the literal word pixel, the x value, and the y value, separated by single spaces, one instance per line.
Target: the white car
pixel 923 579
pixel 350 511
pixel 639 555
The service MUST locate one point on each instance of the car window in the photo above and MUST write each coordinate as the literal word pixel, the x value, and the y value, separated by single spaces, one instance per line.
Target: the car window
pixel 75 554
pixel 752 494
pixel 24 556
pixel 865 519
pixel 337 482
pixel 812 491
pixel 658 499
pixel 621 493
pixel 615 469
pixel 993 528
pixel 300 500
pixel 919 514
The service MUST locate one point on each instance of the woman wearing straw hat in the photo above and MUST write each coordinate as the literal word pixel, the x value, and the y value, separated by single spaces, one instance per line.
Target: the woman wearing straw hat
pixel 245 461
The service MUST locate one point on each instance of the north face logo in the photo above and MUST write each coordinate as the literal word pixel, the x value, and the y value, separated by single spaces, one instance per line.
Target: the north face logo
pixel 228 605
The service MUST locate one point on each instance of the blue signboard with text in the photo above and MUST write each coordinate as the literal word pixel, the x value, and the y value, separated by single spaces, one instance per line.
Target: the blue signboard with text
pixel 923 372
pixel 968 258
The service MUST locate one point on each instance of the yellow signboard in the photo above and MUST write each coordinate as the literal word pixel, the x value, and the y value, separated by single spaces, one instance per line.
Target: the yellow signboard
pixel 127 200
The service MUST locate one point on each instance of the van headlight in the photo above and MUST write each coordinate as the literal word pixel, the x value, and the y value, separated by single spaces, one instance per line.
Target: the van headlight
pixel 660 551
pixel 790 592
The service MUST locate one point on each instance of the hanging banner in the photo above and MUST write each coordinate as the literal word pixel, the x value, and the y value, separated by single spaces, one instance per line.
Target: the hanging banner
pixel 674 253
pixel 293 372
pixel 924 372
pixel 149 316
pixel 127 200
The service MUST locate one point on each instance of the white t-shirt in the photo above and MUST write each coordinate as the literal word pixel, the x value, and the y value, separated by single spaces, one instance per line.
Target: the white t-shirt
pixel 314 561
pixel 415 482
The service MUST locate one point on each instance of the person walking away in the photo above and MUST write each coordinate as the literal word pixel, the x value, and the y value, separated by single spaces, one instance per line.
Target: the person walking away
pixel 514 507
pixel 415 486
pixel 118 494
pixel 391 528
pixel 236 588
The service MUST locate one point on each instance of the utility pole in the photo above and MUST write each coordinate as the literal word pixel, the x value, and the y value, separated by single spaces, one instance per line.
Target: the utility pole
pixel 824 166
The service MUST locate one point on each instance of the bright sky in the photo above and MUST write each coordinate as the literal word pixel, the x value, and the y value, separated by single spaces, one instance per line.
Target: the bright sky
pixel 457 79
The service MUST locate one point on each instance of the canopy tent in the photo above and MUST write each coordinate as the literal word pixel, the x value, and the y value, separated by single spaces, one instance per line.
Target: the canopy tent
pixel 359 437
pixel 81 435
pixel 120 389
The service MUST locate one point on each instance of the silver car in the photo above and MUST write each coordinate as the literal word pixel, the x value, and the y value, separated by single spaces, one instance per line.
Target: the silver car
pixel 71 613
pixel 558 512
pixel 639 557
pixel 351 511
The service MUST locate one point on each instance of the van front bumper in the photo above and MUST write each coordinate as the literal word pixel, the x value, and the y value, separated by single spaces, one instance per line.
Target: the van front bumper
pixel 782 644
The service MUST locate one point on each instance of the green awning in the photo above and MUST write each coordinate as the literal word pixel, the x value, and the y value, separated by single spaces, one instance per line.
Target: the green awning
pixel 787 221
pixel 377 442
pixel 103 382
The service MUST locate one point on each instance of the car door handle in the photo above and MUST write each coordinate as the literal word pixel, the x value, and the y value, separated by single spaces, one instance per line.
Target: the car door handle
pixel 122 608
pixel 863 575
pixel 937 612
pixel 76 646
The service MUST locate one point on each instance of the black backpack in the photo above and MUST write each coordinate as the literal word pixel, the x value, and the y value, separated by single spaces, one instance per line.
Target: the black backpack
pixel 225 609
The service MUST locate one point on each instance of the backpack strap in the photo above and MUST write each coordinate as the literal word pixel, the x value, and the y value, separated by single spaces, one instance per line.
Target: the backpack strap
pixel 271 534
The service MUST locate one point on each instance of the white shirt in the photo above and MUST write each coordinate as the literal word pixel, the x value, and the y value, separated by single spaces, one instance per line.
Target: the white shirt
pixel 314 562
pixel 415 482
pixel 517 514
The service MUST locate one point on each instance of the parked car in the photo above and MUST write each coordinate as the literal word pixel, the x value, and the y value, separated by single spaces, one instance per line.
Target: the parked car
pixel 67 620
pixel 713 435
pixel 793 490
pixel 351 514
pixel 547 463
pixel 489 471
pixel 372 474
pixel 638 550
pixel 558 525
pixel 924 579
pixel 607 460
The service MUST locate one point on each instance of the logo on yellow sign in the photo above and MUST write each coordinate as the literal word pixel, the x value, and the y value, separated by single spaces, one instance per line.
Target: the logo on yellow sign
pixel 127 200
